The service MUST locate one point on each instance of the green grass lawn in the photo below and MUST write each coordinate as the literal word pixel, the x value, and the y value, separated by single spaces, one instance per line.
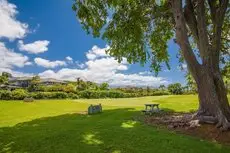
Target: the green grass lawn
pixel 58 126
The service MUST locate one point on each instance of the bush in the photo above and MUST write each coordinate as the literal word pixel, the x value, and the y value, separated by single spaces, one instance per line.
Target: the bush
pixel 86 94
pixel 19 94
pixel 116 94
pixel 69 88
pixel 175 89
pixel 5 95
pixel 60 95
pixel 49 95
pixel 38 95
pixel 160 93
pixel 73 96
pixel 90 94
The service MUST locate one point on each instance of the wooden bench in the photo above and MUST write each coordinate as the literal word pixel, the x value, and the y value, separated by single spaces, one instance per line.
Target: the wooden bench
pixel 151 108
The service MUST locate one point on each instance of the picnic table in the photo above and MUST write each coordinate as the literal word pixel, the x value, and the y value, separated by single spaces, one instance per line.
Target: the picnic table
pixel 151 108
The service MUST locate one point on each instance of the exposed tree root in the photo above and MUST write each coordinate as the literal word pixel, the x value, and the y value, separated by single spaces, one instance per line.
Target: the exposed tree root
pixel 221 122
pixel 207 119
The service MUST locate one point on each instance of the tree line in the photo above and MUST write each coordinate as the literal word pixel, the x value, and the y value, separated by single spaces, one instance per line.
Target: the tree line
pixel 84 89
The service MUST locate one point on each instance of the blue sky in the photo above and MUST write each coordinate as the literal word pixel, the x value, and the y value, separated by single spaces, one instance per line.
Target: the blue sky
pixel 45 38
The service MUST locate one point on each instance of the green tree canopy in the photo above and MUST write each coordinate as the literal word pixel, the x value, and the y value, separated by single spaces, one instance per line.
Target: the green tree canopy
pixel 140 29
pixel 4 78
pixel 104 86
pixel 175 88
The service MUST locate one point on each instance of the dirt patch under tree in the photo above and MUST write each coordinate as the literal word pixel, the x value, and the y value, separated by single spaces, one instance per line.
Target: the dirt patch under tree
pixel 184 123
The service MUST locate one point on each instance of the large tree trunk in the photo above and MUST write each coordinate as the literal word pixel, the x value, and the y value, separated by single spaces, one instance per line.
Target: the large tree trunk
pixel 213 102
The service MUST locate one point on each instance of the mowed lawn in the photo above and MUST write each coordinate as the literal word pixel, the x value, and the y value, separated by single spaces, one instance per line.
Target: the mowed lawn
pixel 62 126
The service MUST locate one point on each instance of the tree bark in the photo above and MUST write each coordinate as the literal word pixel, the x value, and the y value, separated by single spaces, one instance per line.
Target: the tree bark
pixel 213 103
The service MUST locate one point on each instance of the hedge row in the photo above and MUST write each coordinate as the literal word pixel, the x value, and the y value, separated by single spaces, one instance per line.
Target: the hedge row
pixel 90 94
pixel 20 94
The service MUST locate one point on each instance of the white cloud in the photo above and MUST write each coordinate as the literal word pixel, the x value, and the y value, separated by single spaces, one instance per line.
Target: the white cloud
pixel 10 59
pixel 68 58
pixel 103 68
pixel 122 67
pixel 182 67
pixel 49 64
pixel 80 65
pixel 10 27
pixel 36 47
pixel 106 64
pixel 96 52
pixel 28 63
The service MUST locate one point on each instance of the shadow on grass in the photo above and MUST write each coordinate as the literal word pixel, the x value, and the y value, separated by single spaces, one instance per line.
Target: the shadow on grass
pixel 112 131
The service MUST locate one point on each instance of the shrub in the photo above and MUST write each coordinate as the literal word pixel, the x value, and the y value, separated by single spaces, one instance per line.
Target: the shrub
pixel 90 94
pixel 116 94
pixel 104 86
pixel 129 95
pixel 73 96
pixel 69 88
pixel 19 94
pixel 5 95
pixel 38 95
pixel 60 95
pixel 85 94
pixel 49 95
pixel 160 93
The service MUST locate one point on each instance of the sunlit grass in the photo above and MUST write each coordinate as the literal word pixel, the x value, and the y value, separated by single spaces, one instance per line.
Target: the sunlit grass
pixel 128 124
pixel 90 138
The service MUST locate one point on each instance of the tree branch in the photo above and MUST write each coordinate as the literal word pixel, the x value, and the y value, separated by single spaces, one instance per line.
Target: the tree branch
pixel 202 31
pixel 191 19
pixel 182 37
pixel 212 5
pixel 219 22
pixel 217 30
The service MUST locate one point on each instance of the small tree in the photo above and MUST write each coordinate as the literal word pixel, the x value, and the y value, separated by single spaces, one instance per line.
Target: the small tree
pixel 175 88
pixel 6 74
pixel 69 88
pixel 81 85
pixel 91 85
pixel 4 78
pixel 148 89
pixel 104 86
pixel 34 83
pixel 162 87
